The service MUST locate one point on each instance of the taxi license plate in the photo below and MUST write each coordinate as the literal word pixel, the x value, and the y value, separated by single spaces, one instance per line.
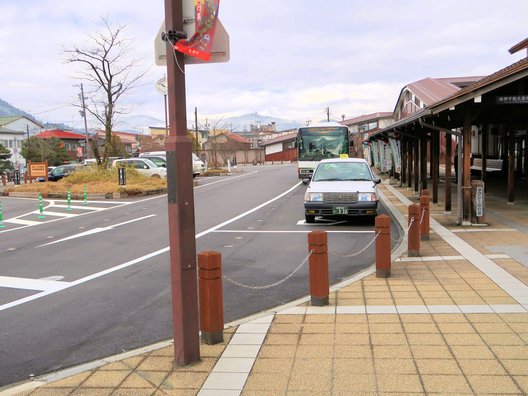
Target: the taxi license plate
pixel 339 210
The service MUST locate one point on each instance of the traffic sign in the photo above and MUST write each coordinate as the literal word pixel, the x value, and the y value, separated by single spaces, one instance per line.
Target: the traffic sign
pixel 219 49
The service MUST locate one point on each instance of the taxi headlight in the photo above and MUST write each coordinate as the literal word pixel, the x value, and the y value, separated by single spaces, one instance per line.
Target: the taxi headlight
pixel 367 197
pixel 313 197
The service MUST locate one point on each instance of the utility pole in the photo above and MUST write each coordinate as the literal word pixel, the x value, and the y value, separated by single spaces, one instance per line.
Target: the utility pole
pixel 180 197
pixel 83 113
pixel 328 114
pixel 196 126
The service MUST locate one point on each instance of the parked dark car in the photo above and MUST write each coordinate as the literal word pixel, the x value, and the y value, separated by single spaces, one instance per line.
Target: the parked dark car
pixel 60 172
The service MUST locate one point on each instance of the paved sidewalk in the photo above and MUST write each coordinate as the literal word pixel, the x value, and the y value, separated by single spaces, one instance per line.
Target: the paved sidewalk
pixel 453 321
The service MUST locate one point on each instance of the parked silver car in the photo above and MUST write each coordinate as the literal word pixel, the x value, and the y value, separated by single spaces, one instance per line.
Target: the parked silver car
pixel 341 187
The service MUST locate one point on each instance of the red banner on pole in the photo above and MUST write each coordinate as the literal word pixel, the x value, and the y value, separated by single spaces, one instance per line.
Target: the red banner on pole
pixel 199 45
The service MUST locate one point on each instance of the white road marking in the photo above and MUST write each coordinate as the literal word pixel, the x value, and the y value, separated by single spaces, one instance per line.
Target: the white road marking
pixel 56 214
pixel 92 208
pixel 224 180
pixel 32 284
pixel 139 259
pixel 326 222
pixel 54 278
pixel 15 220
pixel 96 230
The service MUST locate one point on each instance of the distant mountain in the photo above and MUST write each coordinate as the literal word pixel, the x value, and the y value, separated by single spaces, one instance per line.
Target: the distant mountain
pixel 243 123
pixel 137 124
pixel 7 110
pixel 140 123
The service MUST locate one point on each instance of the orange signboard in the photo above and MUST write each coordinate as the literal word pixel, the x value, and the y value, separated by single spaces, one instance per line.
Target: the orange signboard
pixel 38 169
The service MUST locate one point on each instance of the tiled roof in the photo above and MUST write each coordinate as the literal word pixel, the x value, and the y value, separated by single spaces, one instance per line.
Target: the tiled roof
pixel 512 69
pixel 366 117
pixel 283 138
pixel 58 133
pixel 8 119
pixel 237 137
pixel 7 130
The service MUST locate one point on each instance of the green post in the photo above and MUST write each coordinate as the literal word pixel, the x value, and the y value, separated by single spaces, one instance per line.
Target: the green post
pixel 1 217
pixel 41 207
pixel 69 200
pixel 84 195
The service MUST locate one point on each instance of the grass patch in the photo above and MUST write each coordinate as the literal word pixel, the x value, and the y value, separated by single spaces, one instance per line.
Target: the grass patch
pixel 97 181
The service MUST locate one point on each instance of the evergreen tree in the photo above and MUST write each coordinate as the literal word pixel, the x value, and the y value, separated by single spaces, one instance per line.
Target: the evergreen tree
pixel 39 150
pixel 5 163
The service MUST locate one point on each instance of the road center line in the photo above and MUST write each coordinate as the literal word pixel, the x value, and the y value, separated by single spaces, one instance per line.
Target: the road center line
pixel 226 179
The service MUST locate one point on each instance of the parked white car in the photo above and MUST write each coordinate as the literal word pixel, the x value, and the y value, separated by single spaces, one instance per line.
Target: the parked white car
pixel 198 165
pixel 341 187
pixel 142 165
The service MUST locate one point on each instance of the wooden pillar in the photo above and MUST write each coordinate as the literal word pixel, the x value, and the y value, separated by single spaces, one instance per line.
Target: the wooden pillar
pixel 447 161
pixel 519 157
pixel 416 165
pixel 466 183
pixel 484 137
pixel 404 154
pixel 526 156
pixel 423 161
pixel 435 160
pixel 511 166
pixel 409 163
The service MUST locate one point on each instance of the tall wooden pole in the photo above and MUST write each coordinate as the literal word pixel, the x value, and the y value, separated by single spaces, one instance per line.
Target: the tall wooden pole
pixel 448 164
pixel 466 188
pixel 180 204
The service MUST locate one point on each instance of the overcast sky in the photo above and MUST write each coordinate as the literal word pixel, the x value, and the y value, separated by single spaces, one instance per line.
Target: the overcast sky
pixel 289 58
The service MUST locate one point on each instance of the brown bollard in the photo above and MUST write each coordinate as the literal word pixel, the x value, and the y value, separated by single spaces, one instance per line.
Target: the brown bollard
pixel 424 206
pixel 319 279
pixel 413 244
pixel 211 297
pixel 383 247
pixel 425 192
pixel 4 179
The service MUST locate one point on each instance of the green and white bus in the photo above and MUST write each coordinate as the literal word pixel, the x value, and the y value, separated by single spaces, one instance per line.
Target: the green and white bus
pixel 319 141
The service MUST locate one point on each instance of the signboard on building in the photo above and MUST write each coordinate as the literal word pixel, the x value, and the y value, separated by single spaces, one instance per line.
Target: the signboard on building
pixel 512 99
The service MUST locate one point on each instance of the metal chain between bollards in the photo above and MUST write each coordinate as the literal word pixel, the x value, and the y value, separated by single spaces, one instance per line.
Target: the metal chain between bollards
pixel 358 252
pixel 271 284
pixel 406 231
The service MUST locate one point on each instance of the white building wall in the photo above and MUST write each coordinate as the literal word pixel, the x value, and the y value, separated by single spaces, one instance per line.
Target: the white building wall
pixel 274 148
pixel 13 142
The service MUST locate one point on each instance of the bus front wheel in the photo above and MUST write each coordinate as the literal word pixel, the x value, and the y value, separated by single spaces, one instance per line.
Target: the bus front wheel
pixel 309 219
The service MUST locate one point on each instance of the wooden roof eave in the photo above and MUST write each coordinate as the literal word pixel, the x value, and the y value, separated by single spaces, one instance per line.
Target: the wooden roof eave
pixel 399 124
pixel 451 103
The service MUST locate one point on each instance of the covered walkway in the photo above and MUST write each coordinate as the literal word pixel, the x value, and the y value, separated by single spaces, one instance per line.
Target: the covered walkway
pixel 484 127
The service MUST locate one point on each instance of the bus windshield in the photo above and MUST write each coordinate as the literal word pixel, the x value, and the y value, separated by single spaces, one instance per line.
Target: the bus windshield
pixel 317 143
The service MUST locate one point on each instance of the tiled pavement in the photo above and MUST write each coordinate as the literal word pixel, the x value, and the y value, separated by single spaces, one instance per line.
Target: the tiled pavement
pixel 453 321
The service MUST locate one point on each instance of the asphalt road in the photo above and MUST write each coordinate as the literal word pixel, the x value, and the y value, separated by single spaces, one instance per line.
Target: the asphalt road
pixel 93 281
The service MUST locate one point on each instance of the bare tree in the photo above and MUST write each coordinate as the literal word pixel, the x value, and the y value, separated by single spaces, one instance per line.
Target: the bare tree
pixel 110 70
